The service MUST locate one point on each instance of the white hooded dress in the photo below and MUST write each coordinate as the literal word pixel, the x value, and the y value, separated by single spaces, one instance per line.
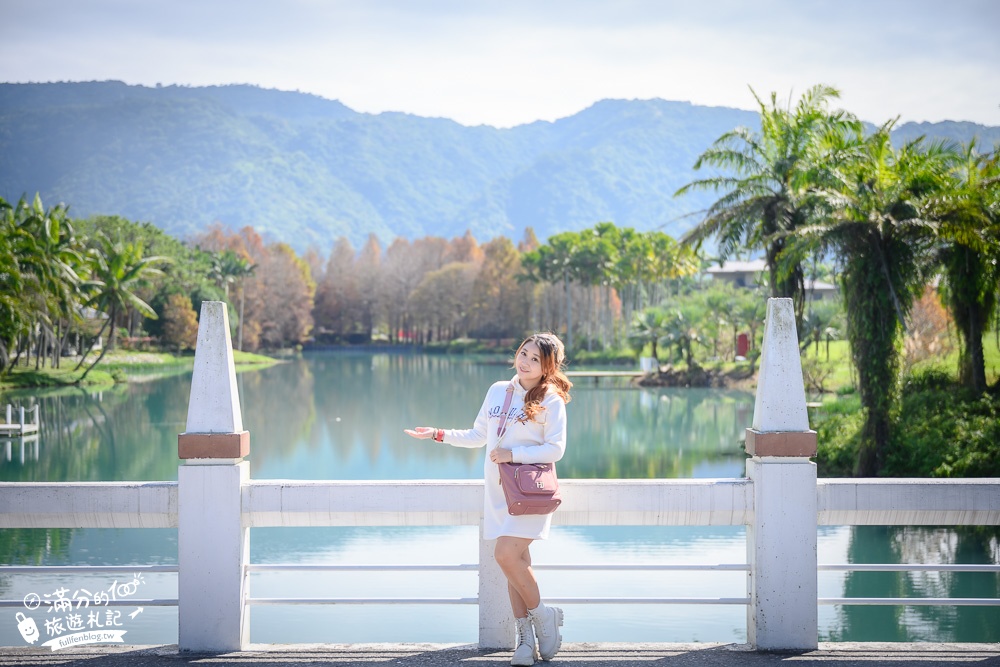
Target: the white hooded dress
pixel 540 441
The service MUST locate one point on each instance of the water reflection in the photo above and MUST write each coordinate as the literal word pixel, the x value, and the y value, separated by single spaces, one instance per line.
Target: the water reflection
pixel 115 435
pixel 924 545
pixel 656 434
pixel 342 417
pixel 620 545
pixel 347 414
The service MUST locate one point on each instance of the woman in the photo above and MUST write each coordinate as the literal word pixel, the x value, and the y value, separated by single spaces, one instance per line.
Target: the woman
pixel 535 433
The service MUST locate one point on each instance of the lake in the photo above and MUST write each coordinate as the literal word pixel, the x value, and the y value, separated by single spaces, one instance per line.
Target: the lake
pixel 341 416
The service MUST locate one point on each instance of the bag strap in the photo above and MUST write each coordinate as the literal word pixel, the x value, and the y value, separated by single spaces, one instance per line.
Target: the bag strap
pixel 505 414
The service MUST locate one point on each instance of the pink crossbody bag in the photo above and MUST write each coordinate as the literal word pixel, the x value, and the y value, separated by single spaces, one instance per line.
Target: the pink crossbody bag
pixel 530 488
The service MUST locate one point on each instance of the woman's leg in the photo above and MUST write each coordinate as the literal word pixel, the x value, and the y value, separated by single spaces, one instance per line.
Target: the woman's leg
pixel 517 603
pixel 514 559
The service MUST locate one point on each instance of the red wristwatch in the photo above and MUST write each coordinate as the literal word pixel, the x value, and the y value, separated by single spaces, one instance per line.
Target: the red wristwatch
pixel 439 435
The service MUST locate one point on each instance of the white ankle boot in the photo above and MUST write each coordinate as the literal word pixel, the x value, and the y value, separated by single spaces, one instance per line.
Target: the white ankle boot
pixel 524 654
pixel 546 621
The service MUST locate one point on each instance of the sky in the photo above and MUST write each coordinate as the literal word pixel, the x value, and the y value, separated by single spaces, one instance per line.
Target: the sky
pixel 509 62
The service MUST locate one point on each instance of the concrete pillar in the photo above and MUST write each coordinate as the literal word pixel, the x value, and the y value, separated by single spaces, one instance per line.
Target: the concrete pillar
pixel 213 546
pixel 781 539
pixel 496 622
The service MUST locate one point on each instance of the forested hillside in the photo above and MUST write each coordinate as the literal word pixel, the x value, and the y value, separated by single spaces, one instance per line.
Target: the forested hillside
pixel 306 170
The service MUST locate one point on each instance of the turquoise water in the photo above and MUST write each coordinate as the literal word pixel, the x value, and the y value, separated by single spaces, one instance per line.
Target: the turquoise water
pixel 340 416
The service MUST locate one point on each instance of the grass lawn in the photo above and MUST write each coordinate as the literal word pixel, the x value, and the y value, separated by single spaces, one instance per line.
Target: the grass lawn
pixel 829 367
pixel 837 372
pixel 131 359
pixel 115 367
pixel 23 377
pixel 948 363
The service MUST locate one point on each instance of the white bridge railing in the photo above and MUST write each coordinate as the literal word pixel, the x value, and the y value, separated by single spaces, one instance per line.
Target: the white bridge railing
pixel 704 502
pixel 214 504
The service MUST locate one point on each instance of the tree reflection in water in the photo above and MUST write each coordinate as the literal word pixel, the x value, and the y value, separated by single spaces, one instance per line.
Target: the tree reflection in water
pixel 921 545
pixel 362 403
pixel 109 435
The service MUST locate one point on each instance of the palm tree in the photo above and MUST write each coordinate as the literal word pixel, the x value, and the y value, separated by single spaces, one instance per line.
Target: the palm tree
pixel 819 323
pixel 767 183
pixel 58 249
pixel 13 323
pixel 117 269
pixel 970 213
pixel 682 315
pixel 46 253
pixel 649 326
pixel 879 223
pixel 230 267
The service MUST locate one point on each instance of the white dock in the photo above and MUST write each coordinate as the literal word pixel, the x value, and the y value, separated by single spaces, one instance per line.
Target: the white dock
pixel 604 374
pixel 21 427
pixel 580 376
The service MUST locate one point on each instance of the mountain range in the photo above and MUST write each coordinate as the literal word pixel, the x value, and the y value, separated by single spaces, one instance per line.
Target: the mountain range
pixel 305 170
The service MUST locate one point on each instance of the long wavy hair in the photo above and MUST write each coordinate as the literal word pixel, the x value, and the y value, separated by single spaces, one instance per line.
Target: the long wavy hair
pixel 553 360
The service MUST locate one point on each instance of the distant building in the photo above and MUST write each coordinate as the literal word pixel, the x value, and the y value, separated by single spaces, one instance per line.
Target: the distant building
pixel 740 274
pixel 817 290
pixel 749 274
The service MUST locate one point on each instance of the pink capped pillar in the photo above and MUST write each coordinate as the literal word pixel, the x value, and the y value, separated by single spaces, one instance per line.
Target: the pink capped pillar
pixel 781 539
pixel 213 546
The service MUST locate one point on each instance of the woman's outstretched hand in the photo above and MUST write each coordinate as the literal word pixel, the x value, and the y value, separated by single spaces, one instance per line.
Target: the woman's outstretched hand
pixel 421 432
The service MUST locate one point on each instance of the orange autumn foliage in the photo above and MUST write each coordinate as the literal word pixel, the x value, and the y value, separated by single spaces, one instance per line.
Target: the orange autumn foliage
pixel 929 328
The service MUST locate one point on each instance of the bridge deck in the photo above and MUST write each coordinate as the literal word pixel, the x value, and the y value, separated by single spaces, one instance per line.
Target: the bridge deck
pixel 593 655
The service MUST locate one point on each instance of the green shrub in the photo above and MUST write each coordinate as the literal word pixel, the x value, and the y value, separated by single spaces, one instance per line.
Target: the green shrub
pixel 930 379
pixel 946 432
pixel 837 438
pixel 940 430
